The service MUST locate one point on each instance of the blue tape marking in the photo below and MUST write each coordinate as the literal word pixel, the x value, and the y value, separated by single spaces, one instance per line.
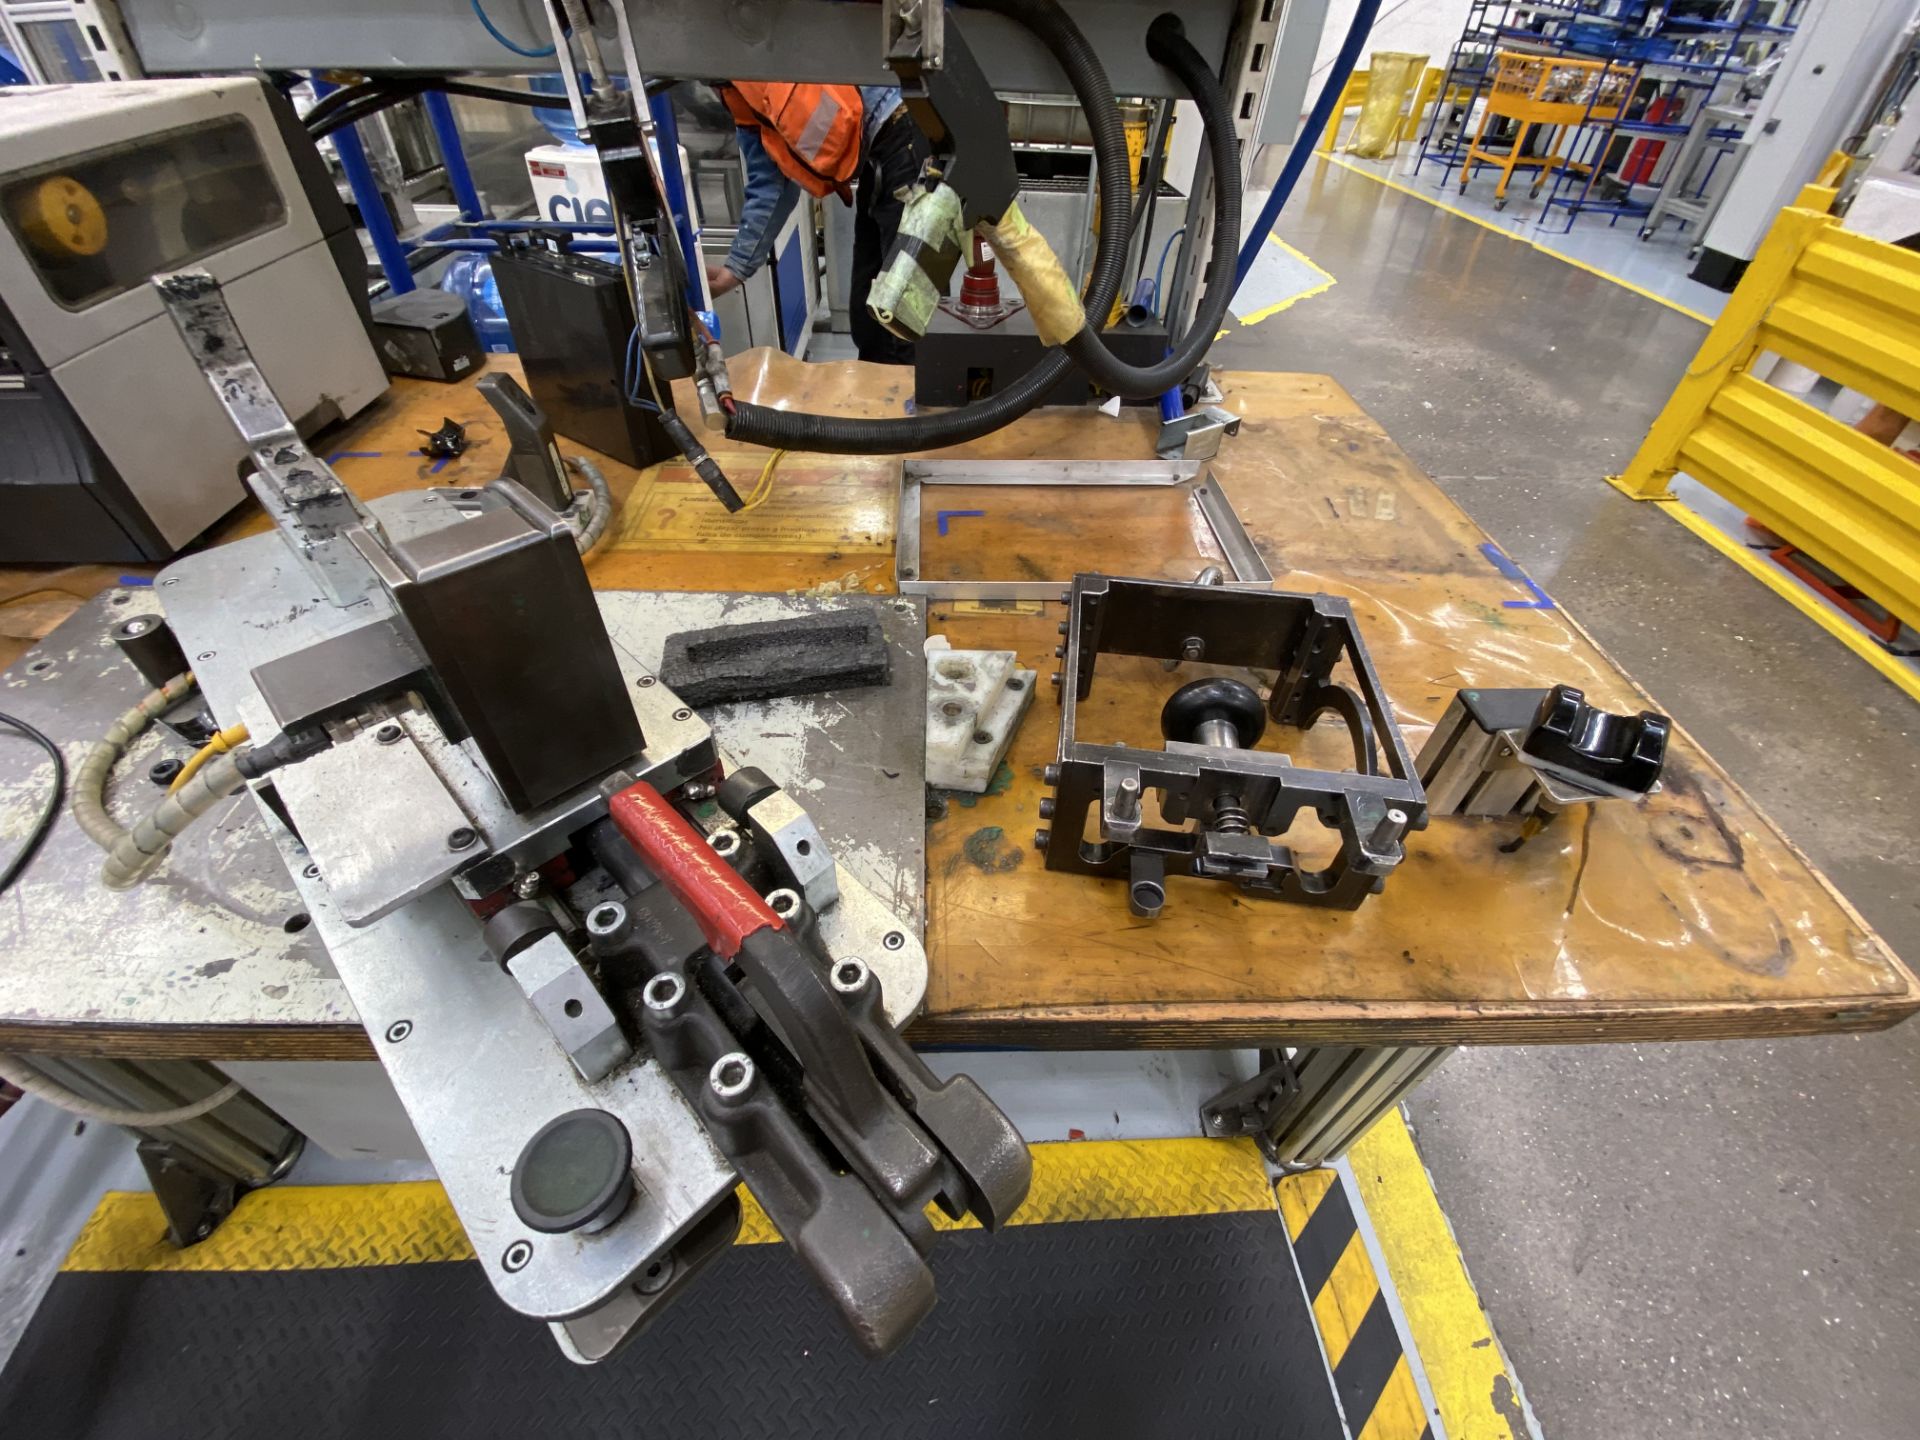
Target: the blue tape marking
pixel 135 582
pixel 940 518
pixel 439 464
pixel 354 455
pixel 1541 600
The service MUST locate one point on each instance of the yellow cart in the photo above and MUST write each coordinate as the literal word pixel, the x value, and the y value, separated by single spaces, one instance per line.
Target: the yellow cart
pixel 1547 90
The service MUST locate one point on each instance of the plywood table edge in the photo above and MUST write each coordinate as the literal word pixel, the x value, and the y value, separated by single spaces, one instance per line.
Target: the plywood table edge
pixel 1371 1024
pixel 1377 1024
pixel 121 1041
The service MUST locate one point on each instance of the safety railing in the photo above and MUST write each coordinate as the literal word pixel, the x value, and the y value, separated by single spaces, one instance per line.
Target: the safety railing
pixel 1848 308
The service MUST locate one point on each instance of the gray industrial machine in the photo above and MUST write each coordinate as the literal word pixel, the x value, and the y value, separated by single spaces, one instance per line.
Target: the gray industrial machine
pixel 111 446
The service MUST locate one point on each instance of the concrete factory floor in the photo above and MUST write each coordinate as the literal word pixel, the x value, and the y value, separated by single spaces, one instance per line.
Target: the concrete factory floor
pixel 1695 1240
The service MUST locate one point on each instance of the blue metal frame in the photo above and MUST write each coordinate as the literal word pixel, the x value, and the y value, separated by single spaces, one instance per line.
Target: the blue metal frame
pixel 372 202
pixel 391 251
pixel 447 133
pixel 667 130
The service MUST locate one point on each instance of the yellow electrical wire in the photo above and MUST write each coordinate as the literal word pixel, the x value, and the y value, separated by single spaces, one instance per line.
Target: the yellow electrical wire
pixel 763 487
pixel 228 738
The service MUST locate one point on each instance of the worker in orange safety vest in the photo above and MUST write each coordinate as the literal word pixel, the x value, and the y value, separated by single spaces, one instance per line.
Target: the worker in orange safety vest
pixel 824 139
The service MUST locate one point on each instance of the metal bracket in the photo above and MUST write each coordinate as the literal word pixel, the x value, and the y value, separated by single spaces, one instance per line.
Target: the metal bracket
pixel 194 1196
pixel 1306 1109
pixel 1255 1107
pixel 1246 570
pixel 915 31
pixel 313 511
pixel 1196 435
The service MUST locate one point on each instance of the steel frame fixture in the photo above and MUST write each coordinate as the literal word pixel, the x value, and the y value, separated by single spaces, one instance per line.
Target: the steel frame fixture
pixel 1245 567
pixel 1239 797
pixel 198 1168
pixel 798 40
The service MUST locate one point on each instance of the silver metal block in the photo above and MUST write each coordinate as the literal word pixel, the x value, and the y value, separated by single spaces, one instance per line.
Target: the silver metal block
pixel 779 822
pixel 564 996
pixel 379 815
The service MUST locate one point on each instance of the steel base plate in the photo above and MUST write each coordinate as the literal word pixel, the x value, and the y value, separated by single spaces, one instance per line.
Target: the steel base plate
pixel 477 1070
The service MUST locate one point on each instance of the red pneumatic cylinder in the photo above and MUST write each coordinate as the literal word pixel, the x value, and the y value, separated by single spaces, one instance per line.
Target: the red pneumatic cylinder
pixel 721 903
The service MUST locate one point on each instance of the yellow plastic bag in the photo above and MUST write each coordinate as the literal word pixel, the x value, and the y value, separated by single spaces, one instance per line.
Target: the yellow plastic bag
pixel 1391 76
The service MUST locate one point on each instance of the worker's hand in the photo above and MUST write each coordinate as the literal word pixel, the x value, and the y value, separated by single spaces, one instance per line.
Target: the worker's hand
pixel 720 280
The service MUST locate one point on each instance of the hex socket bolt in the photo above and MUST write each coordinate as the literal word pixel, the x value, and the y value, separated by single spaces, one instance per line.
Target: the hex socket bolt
pixel 609 922
pixel 731 1077
pixel 664 994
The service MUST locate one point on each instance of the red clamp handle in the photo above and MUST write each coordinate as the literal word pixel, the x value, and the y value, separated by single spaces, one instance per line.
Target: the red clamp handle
pixel 725 906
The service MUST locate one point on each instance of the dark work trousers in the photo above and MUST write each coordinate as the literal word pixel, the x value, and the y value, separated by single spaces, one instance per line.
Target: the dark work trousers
pixel 891 165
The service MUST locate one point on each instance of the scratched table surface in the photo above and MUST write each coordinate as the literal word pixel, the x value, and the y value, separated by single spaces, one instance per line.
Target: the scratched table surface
pixel 1687 916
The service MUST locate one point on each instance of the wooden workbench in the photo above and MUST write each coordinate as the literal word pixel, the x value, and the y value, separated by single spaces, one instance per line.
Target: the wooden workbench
pixel 1687 916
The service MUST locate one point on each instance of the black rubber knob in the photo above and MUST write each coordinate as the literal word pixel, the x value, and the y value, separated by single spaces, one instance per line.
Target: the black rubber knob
pixel 512 928
pixel 743 789
pixel 576 1173
pixel 1217 698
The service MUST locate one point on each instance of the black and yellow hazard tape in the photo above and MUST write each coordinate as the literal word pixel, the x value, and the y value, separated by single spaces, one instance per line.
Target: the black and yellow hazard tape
pixel 328 1310
pixel 327 1227
pixel 1387 1362
pixel 1469 1382
pixel 1372 1373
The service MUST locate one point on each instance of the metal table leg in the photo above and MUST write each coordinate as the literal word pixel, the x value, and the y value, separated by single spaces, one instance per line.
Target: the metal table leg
pixel 1307 1108
pixel 200 1167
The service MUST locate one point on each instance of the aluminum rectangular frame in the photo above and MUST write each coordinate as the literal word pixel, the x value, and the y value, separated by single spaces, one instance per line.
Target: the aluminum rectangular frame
pixel 1246 570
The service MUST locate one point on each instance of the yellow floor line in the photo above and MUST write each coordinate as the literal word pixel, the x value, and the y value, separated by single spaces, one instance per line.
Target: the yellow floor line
pixel 333 1227
pixel 1472 1384
pixel 1486 224
pixel 1327 283
pixel 1790 590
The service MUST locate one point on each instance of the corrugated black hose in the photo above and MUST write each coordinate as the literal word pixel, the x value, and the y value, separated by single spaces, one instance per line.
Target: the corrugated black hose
pixel 791 430
pixel 1170 47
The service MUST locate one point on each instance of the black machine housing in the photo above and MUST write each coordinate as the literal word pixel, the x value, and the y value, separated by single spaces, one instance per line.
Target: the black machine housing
pixel 1301 639
pixel 571 318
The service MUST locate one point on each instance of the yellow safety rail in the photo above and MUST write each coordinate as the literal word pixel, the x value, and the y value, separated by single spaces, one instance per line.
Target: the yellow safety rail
pixel 1846 307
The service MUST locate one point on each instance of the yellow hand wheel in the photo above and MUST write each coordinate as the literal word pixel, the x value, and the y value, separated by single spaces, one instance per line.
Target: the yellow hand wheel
pixel 61 219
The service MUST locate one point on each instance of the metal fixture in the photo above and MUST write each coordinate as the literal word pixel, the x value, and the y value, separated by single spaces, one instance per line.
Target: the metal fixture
pixel 1307 1107
pixel 1197 434
pixel 1532 753
pixel 632 953
pixel 1240 799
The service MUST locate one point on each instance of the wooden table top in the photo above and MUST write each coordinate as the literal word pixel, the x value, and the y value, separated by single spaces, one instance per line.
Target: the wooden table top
pixel 1686 916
